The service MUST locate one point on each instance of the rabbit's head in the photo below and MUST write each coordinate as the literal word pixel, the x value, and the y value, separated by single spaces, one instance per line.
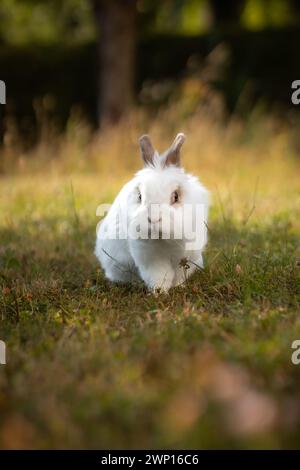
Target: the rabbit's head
pixel 159 192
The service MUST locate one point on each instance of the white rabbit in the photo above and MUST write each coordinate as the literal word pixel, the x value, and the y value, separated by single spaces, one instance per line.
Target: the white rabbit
pixel 147 216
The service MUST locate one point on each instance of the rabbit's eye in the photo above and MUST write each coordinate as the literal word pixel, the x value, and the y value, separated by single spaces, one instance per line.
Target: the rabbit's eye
pixel 175 197
pixel 139 197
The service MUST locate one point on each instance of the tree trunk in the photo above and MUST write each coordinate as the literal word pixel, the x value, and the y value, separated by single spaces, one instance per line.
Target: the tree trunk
pixel 115 20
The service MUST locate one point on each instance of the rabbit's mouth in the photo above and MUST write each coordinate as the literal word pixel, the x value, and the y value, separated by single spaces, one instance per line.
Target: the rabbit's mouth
pixel 154 231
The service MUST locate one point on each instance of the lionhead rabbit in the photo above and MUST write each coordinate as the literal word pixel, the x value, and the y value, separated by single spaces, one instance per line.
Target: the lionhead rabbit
pixel 156 229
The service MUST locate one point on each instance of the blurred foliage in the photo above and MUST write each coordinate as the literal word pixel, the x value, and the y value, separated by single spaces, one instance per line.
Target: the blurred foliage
pixel 53 45
pixel 36 21
pixel 269 14
pixel 254 68
pixel 174 16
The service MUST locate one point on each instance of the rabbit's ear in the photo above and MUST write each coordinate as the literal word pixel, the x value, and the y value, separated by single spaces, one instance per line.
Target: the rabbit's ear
pixel 147 149
pixel 173 153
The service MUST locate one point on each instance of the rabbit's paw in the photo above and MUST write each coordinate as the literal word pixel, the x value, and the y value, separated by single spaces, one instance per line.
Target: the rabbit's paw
pixel 159 278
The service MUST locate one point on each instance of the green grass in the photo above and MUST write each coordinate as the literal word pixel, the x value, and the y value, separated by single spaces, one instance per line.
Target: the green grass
pixel 90 364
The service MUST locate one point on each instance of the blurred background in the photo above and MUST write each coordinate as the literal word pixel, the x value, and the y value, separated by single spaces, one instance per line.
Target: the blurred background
pixel 97 60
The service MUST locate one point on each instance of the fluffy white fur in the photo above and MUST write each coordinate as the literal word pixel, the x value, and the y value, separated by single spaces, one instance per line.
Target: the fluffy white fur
pixel 160 263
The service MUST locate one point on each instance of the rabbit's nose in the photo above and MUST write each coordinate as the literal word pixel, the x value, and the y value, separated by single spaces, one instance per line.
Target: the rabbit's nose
pixel 153 221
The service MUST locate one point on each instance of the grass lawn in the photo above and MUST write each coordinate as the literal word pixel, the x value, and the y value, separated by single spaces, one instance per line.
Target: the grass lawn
pixel 91 365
